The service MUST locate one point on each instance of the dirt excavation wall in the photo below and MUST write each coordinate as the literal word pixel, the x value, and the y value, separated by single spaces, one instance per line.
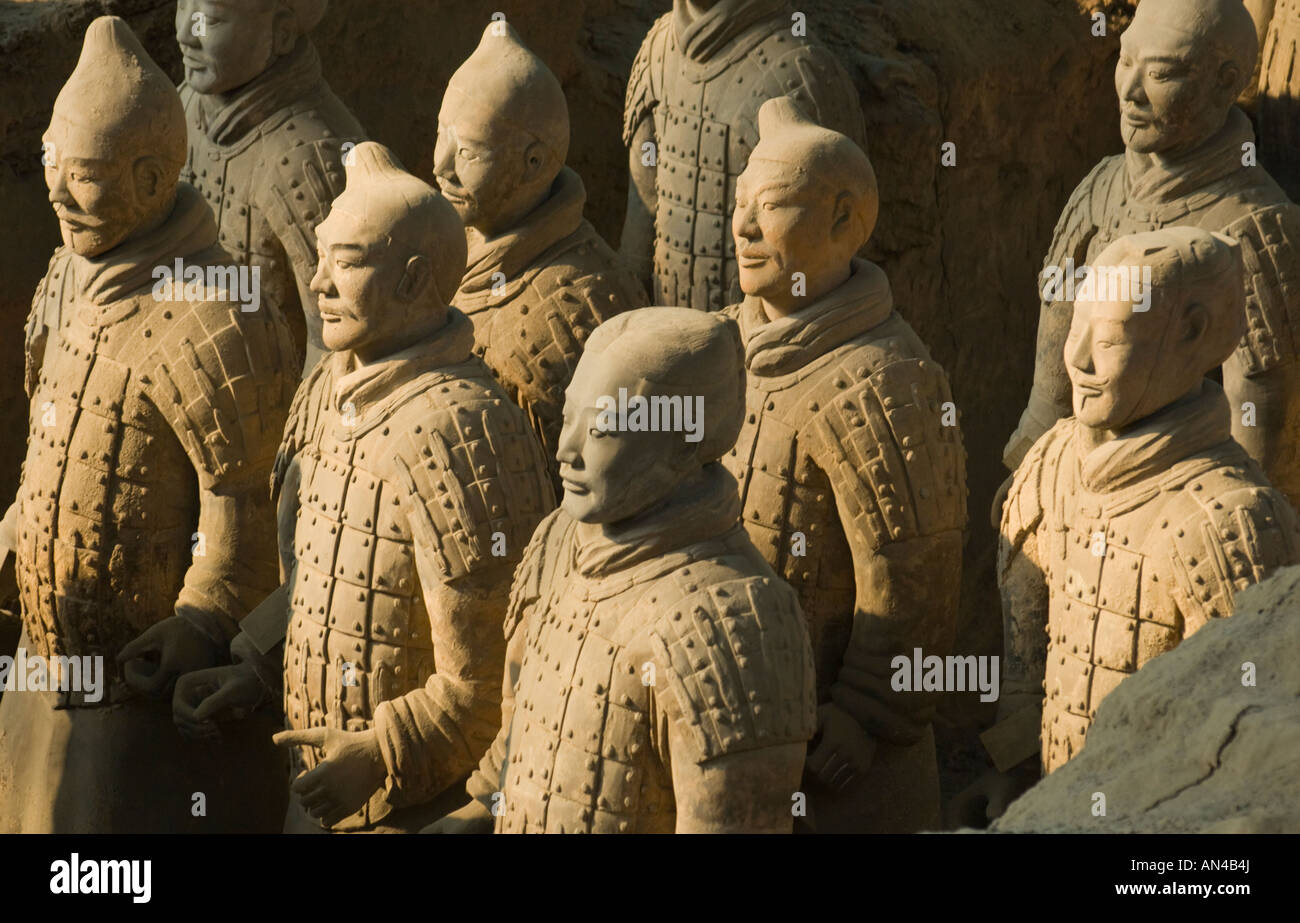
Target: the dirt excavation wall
pixel 1022 89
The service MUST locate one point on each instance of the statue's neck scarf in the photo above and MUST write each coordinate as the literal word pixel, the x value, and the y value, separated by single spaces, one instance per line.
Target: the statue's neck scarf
pixel 1153 178
pixel 227 118
pixel 707 510
pixel 1154 445
pixel 788 344
pixel 190 229
pixel 703 34
pixel 512 252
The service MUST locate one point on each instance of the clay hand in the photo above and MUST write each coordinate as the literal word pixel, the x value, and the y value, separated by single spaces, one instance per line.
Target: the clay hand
pixel 204 697
pixel 988 796
pixel 352 769
pixel 472 818
pixel 163 652
pixel 845 751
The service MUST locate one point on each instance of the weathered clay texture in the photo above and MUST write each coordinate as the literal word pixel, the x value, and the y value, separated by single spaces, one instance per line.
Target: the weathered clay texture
pixel 143 504
pixel 540 278
pixel 1190 167
pixel 851 485
pixel 1133 523
pixel 265 149
pixel 1278 102
pixel 659 676
pixel 693 98
pixel 1186 745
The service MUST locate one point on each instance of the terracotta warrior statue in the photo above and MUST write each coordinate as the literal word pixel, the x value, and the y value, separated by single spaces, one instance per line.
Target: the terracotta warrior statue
pixel 851 467
pixel 1278 103
pixel 690 122
pixel 658 673
pixel 266 141
pixel 1130 525
pixel 409 486
pixel 143 525
pixel 1189 161
pixel 540 278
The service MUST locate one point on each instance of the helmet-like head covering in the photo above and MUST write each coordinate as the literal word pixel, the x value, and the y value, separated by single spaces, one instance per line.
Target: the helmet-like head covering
pixel 1190 265
pixel 1223 27
pixel 817 155
pixel 119 101
pixel 503 81
pixel 680 351
pixel 382 195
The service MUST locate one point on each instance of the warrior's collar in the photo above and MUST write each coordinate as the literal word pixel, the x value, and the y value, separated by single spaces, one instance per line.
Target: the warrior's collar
pixel 778 347
pixel 710 509
pixel 365 386
pixel 1160 179
pixel 514 251
pixel 1159 442
pixel 228 117
pixel 129 267
pixel 704 35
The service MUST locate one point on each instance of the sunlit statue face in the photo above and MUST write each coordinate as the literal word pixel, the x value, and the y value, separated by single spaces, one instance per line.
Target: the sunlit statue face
pixel 1125 365
pixel 361 282
pixel 227 43
pixel 99 202
pixel 610 476
pixel 786 224
pixel 1174 89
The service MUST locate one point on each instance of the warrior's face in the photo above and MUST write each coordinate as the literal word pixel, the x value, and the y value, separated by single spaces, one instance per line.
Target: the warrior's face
pixel 359 280
pixel 786 225
pixel 100 200
pixel 227 43
pixel 1125 365
pixel 611 475
pixel 1175 88
pixel 480 164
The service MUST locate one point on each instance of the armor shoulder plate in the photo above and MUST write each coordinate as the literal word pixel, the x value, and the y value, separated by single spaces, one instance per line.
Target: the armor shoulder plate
pixel 304 413
pixel 641 97
pixel 532 576
pixel 1270 249
pixel 1078 222
pixel 1023 510
pixel 735 664
pixel 897 471
pixel 223 378
pixel 45 315
pixel 303 177
pixel 473 471
pixel 1237 530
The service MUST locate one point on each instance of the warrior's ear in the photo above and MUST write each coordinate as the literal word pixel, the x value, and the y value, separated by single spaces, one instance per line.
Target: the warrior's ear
pixel 843 213
pixel 416 279
pixel 285 30
pixel 1195 322
pixel 150 179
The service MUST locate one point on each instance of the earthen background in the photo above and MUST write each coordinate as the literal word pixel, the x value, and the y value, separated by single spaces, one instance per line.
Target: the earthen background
pixel 1022 87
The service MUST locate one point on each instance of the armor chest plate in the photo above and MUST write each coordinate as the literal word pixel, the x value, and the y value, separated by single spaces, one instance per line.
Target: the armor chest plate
pixel 790 514
pixel 225 176
pixel 108 500
pixel 1110 612
pixel 359 632
pixel 580 757
pixel 705 131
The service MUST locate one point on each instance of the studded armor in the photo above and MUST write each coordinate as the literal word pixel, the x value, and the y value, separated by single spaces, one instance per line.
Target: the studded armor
pixel 534 294
pixel 688 638
pixel 153 424
pixel 704 103
pixel 419 486
pixel 1214 192
pixel 1110 558
pixel 269 163
pixel 843 455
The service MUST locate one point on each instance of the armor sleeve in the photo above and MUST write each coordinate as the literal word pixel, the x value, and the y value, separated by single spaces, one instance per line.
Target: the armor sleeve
pixel 734 668
pixel 223 380
pixel 1049 398
pixel 307 178
pixel 480 490
pixel 898 477
pixel 1238 536
pixel 641 97
pixel 530 580
pixel 817 80
pixel 1270 250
